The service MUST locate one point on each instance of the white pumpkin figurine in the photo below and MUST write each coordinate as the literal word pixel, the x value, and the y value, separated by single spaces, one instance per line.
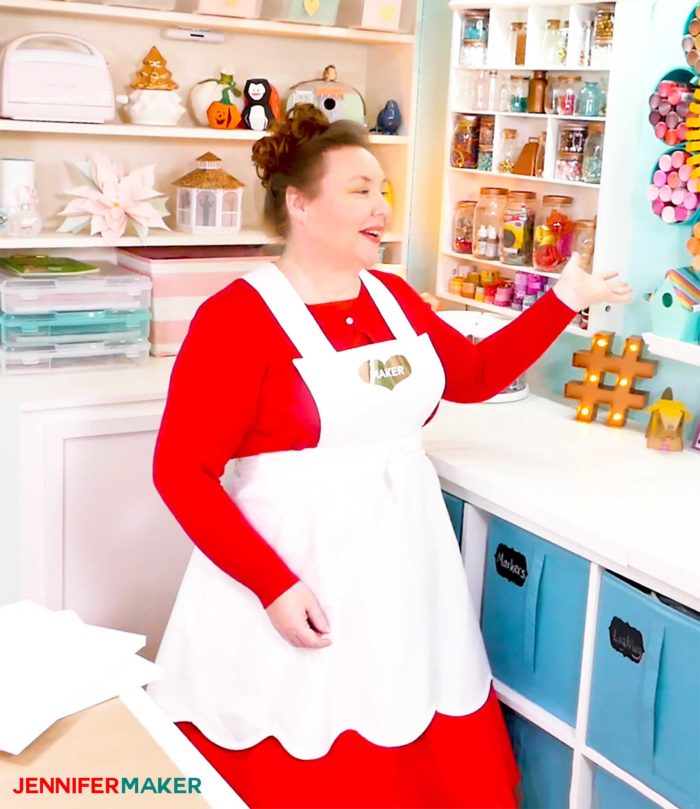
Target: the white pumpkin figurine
pixel 206 92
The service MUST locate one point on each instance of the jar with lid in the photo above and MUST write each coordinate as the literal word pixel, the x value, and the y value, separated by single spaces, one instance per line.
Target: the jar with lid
pixel 603 29
pixel 593 154
pixel 551 94
pixel 584 56
pixel 457 278
pixel 584 242
pixel 590 99
pixel 567 95
pixel 487 222
pixel 485 158
pixel 465 142
pixel 551 42
pixel 509 151
pixel 493 90
pixel 569 165
pixel 563 42
pixel 475 37
pixel 480 92
pixel 518 228
pixel 554 233
pixel 518 86
pixel 517 42
pixel 537 92
pixel 463 227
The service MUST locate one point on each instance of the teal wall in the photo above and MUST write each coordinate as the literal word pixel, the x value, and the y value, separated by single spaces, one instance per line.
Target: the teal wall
pixel 655 247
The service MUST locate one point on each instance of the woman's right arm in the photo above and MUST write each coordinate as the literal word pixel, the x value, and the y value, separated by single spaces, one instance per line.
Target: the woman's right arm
pixel 211 404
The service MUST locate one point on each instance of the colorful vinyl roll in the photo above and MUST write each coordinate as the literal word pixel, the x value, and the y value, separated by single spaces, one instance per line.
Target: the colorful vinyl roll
pixel 674 194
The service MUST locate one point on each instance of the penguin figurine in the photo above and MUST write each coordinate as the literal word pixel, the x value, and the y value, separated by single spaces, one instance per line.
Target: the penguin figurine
pixel 258 114
pixel 389 118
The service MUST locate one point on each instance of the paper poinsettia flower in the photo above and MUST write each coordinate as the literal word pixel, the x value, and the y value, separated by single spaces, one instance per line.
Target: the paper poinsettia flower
pixel 112 200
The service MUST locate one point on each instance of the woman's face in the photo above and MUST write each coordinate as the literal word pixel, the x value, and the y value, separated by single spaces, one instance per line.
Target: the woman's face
pixel 344 222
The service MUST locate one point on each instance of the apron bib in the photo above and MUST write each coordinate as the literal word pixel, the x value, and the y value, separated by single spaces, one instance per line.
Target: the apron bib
pixel 361 520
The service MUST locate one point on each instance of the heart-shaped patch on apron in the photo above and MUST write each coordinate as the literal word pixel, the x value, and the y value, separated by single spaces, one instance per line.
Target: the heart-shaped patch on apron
pixel 387 374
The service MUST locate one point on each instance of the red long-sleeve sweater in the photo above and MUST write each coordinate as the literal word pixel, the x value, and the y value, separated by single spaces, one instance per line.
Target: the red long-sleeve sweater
pixel 235 392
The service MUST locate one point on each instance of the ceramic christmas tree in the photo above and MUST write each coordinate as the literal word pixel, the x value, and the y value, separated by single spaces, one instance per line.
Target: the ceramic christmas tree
pixel 154 100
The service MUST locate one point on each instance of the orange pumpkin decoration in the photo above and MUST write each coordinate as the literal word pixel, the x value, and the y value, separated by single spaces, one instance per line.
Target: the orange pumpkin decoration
pixel 223 116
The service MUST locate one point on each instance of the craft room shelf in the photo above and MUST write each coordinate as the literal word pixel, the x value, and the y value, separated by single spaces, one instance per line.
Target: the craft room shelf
pixel 499 265
pixel 524 178
pixel 677 350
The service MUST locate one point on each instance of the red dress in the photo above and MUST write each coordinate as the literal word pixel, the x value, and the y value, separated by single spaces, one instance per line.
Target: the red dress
pixel 235 392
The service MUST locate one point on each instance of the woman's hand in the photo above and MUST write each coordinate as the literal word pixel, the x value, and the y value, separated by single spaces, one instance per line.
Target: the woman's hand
pixel 579 289
pixel 297 616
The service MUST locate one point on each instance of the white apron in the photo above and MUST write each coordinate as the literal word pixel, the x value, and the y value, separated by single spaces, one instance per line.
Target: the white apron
pixel 360 519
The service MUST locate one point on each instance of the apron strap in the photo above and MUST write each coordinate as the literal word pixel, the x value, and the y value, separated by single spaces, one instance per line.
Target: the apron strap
pixel 289 309
pixel 388 306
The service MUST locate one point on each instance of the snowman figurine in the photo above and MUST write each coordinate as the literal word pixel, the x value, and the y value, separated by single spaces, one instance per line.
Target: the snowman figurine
pixel 258 113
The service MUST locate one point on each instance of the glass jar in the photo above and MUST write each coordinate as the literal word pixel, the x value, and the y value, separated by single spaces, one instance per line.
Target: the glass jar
pixel 537 92
pixel 465 142
pixel 554 233
pixel 475 37
pixel 480 92
pixel 567 95
pixel 518 86
pixel 584 242
pixel 493 90
pixel 487 222
pixel 518 228
pixel 550 45
pixel 603 29
pixel 485 158
pixel 517 41
pixel 551 94
pixel 593 154
pixel 584 57
pixel 463 227
pixel 569 166
pixel 590 99
pixel 509 151
pixel 563 42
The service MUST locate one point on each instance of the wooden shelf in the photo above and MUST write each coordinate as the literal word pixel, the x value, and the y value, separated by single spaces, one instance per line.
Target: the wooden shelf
pixel 503 311
pixel 677 350
pixel 170 132
pixel 469 258
pixel 206 21
pixel 526 178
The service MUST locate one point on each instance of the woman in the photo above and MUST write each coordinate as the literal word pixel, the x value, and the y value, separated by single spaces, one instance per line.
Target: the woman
pixel 323 651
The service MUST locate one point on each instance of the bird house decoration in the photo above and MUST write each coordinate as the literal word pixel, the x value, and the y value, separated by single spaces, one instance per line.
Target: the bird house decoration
pixel 667 423
pixel 336 100
pixel 209 200
pixel 675 306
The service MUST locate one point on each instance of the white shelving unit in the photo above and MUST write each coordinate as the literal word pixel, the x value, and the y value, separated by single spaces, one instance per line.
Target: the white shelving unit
pixel 605 200
pixel 381 65
pixel 688 353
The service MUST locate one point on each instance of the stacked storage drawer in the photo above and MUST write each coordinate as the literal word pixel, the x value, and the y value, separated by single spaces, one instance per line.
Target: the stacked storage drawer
pixel 533 616
pixel 73 322
pixel 645 694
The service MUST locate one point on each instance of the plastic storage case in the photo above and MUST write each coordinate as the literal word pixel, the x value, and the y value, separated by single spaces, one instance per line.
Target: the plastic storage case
pixel 611 793
pixel 72 357
pixel 645 692
pixel 544 762
pixel 110 288
pixel 53 328
pixel 316 12
pixel 533 615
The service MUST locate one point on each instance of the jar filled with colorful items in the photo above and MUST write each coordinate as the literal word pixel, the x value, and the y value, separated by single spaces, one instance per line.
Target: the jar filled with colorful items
pixel 465 142
pixel 488 215
pixel 485 158
pixel 509 151
pixel 518 228
pixel 554 233
pixel 674 194
pixel 567 94
pixel 569 165
pixel 603 29
pixel 593 154
pixel 475 38
pixel 584 242
pixel 669 107
pixel 518 88
pixel 463 228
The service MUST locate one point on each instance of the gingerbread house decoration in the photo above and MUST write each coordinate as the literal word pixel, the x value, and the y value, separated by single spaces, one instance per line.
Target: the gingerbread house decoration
pixel 209 200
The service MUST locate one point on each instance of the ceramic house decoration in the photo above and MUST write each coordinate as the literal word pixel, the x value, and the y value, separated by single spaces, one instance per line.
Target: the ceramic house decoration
pixel 209 200
pixel 337 100
pixel 675 306
pixel 667 423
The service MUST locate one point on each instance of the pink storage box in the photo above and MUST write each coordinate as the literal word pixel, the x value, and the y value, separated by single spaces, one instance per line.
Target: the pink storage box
pixel 377 15
pixel 183 278
pixel 230 8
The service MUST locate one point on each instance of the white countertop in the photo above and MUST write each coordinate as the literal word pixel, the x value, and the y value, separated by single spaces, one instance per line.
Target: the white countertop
pixel 597 490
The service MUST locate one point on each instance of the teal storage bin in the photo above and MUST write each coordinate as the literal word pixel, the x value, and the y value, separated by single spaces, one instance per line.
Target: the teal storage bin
pixel 316 12
pixel 55 328
pixel 533 615
pixel 455 508
pixel 645 694
pixel 544 762
pixel 611 793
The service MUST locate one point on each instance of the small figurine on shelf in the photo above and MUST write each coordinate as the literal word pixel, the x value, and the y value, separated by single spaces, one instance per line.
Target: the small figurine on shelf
pixel 208 91
pixel 667 423
pixel 154 100
pixel 388 119
pixel 675 306
pixel 336 100
pixel 260 102
pixel 209 200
